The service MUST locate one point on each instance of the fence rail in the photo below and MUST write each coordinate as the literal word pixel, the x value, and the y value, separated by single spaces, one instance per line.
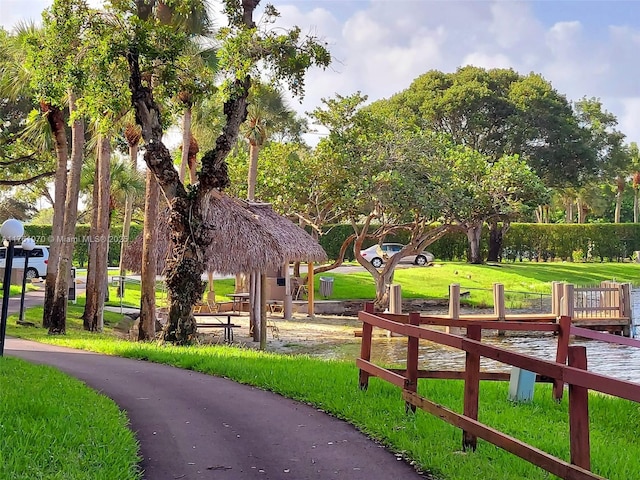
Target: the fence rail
pixel 575 374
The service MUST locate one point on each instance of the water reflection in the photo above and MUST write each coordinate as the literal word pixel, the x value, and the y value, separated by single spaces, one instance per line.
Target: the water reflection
pixel 618 361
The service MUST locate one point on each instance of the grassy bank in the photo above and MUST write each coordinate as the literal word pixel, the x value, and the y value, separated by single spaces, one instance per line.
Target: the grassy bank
pixel 422 438
pixel 52 426
pixel 433 282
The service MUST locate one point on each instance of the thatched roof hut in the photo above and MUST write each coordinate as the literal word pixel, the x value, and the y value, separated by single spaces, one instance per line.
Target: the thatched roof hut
pixel 249 237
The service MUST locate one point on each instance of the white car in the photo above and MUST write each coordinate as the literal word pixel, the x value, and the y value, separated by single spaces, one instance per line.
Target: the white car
pixel 378 254
pixel 38 259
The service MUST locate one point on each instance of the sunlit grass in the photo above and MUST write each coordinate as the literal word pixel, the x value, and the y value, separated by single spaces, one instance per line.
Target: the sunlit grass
pixel 53 426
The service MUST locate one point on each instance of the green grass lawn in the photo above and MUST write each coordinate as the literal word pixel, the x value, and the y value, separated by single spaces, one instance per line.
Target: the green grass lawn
pixel 52 426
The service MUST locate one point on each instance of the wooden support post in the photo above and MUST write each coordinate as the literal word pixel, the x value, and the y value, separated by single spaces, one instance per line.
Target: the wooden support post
pixel 579 413
pixel 454 307
pixel 568 301
pixel 471 387
pixel 625 291
pixel 561 354
pixel 263 310
pixel 365 347
pixel 411 373
pixel 499 308
pixel 556 298
pixel 288 294
pixel 311 309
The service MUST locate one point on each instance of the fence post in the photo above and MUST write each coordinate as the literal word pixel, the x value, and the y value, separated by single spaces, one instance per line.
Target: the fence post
pixel 567 300
pixel 579 413
pixel 471 387
pixel 365 347
pixel 556 298
pixel 454 307
pixel 625 307
pixel 411 374
pixel 499 309
pixel 561 353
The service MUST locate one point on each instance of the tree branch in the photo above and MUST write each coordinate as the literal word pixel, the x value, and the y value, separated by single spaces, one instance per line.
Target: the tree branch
pixel 17 160
pixel 13 183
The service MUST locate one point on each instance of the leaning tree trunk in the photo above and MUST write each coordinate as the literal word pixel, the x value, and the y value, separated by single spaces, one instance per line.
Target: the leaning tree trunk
pixel 59 306
pixel 147 322
pixel 55 118
pixel 474 234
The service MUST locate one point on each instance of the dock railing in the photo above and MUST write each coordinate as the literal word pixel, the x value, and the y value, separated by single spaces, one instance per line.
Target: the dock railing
pixel 575 375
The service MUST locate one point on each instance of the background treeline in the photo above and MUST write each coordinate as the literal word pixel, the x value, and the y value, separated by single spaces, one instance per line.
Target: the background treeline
pixel 523 241
pixel 42 233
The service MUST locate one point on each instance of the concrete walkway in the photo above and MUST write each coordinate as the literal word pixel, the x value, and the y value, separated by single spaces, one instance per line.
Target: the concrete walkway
pixel 196 426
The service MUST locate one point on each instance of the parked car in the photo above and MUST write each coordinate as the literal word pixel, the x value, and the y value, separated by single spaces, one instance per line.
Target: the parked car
pixel 378 254
pixel 38 260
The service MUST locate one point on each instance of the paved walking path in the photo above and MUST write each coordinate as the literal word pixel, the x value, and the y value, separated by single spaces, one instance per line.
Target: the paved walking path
pixel 196 426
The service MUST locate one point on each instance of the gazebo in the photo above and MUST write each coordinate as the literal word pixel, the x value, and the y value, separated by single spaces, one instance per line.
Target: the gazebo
pixel 248 238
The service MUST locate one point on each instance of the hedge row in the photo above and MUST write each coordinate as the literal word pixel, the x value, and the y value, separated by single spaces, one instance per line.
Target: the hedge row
pixel 534 241
pixel 42 235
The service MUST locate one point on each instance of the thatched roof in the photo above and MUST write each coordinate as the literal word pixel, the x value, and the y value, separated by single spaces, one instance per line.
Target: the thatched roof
pixel 248 237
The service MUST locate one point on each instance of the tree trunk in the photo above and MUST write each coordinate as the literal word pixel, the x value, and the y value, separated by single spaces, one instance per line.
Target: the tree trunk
pixel 495 242
pixel 102 228
pixel 55 118
pixel 254 150
pixel 474 234
pixel 635 205
pixel 128 212
pixel 189 236
pixel 186 142
pixel 59 307
pixel 147 328
pixel 91 298
pixel 583 210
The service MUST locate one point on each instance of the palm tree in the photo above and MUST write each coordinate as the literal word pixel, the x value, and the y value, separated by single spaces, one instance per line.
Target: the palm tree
pixel 267 114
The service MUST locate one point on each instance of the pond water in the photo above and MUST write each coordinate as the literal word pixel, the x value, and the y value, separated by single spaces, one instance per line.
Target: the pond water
pixel 618 361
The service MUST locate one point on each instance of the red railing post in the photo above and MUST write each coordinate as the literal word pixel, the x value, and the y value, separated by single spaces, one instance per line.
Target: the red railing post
pixel 411 373
pixel 579 413
pixel 365 347
pixel 471 387
pixel 561 353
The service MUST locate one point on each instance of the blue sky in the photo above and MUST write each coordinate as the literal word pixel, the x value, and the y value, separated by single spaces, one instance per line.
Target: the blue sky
pixel 584 48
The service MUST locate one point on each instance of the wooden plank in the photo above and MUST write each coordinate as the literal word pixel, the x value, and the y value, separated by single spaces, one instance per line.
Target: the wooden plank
pixel 459 375
pixel 579 413
pixel 471 387
pixel 412 361
pixel 604 337
pixel 372 369
pixel 562 350
pixel 365 347
pixel 602 383
pixel 600 322
pixel 523 450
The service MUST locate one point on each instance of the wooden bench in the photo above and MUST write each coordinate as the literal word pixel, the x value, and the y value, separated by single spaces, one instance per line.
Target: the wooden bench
pixel 228 327
pixel 275 306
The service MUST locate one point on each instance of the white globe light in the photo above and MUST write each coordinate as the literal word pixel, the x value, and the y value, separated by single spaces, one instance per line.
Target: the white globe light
pixel 28 244
pixel 12 229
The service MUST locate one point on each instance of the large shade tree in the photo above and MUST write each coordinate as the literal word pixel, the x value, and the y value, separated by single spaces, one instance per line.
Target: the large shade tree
pixel 285 54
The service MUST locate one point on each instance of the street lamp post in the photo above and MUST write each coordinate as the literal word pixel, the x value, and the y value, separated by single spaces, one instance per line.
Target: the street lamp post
pixel 28 244
pixel 12 230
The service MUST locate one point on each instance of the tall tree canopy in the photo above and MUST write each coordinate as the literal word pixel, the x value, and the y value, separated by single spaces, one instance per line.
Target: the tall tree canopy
pixel 500 112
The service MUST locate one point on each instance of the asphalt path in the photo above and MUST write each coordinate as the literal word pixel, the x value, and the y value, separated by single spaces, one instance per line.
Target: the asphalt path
pixel 196 426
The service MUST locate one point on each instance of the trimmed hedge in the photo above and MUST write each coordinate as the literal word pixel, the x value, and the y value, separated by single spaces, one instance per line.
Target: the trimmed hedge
pixel 533 241
pixel 42 235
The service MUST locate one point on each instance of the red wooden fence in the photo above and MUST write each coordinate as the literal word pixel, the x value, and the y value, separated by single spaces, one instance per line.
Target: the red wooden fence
pixel 579 380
